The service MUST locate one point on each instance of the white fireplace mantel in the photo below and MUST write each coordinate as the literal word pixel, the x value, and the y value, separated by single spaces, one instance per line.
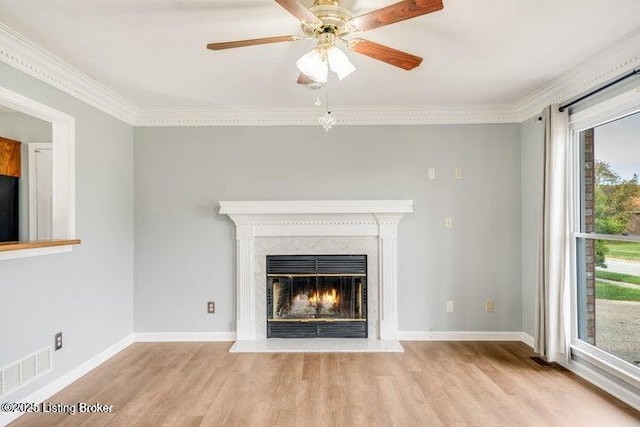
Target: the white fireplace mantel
pixel 329 218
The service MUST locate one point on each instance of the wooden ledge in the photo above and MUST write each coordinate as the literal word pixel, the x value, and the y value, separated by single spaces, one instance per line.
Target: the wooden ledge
pixel 16 246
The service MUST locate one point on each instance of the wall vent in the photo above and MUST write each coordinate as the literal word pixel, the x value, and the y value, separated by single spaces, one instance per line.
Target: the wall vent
pixel 18 374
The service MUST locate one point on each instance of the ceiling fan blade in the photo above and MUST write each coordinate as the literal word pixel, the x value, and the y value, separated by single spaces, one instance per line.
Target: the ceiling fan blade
pixel 308 82
pixel 251 42
pixel 386 54
pixel 298 10
pixel 396 12
pixel 303 79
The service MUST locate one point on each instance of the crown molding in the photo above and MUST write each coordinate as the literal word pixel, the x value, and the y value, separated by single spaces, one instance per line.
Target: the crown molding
pixel 344 116
pixel 21 53
pixel 596 70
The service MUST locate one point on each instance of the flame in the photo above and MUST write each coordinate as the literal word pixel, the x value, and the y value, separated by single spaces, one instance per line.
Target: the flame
pixel 327 298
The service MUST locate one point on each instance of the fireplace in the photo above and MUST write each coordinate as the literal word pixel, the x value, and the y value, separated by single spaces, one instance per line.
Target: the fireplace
pixel 311 296
pixel 265 228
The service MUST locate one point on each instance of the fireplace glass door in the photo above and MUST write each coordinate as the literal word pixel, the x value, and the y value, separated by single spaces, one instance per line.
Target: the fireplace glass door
pixel 316 296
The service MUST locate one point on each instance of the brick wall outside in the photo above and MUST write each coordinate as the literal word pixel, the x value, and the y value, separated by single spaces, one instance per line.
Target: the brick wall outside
pixel 589 227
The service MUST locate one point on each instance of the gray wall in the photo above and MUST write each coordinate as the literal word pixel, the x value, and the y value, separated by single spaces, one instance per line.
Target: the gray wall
pixel 185 251
pixel 532 160
pixel 86 294
pixel 25 129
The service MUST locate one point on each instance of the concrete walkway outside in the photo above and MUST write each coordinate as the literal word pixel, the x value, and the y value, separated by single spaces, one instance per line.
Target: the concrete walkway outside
pixel 623 266
pixel 618 329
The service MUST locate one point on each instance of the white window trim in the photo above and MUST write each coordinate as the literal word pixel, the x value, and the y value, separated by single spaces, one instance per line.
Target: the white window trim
pixel 598 236
pixel 612 109
pixel 63 192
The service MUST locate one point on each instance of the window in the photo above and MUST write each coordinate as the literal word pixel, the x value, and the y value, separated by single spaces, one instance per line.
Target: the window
pixel 63 173
pixel 607 237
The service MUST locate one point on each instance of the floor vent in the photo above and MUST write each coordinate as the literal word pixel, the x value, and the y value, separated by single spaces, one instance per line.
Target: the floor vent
pixel 16 375
pixel 543 363
pixel 539 360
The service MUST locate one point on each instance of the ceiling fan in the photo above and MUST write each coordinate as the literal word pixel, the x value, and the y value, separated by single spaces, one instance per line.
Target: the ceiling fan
pixel 329 23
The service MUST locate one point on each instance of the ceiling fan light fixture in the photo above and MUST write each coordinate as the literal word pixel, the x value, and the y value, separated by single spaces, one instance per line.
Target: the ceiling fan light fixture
pixel 314 64
pixel 339 62
pixel 328 22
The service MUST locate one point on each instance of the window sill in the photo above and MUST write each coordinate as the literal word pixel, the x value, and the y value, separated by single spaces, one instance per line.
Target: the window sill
pixel 605 371
pixel 13 250
pixel 606 362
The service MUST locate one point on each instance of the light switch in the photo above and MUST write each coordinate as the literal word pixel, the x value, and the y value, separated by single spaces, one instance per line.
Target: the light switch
pixel 448 222
pixel 431 173
pixel 449 306
pixel 458 173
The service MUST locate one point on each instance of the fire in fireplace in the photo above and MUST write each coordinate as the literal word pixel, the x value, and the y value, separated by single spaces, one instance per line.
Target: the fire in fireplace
pixel 317 296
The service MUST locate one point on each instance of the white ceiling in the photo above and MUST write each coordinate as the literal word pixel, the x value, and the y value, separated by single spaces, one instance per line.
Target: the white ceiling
pixel 476 53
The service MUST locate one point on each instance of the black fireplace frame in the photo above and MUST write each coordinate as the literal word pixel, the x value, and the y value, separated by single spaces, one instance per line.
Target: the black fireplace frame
pixel 318 265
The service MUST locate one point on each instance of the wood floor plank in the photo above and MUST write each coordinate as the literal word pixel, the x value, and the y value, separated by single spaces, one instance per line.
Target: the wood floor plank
pixel 431 383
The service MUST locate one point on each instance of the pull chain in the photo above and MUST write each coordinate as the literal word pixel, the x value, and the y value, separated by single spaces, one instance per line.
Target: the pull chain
pixel 326 121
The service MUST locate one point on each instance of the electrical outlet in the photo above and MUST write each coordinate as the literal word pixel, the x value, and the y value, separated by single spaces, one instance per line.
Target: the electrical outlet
pixel 448 222
pixel 449 306
pixel 431 173
pixel 458 173
pixel 488 306
pixel 57 341
pixel 211 307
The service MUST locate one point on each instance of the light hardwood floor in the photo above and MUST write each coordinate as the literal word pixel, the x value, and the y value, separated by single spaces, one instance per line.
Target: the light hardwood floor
pixel 430 384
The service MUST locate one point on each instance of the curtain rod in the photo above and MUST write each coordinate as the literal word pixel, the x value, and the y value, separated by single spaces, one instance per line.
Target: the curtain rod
pixel 600 89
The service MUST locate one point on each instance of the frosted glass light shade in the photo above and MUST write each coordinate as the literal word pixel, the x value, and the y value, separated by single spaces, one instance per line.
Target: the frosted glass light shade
pixel 339 62
pixel 314 65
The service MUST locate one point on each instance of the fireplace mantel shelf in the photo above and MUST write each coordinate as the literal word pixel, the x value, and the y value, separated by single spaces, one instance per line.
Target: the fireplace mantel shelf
pixel 316 218
pixel 310 207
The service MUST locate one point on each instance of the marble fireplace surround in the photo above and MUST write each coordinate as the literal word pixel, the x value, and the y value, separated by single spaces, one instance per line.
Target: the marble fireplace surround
pixel 316 227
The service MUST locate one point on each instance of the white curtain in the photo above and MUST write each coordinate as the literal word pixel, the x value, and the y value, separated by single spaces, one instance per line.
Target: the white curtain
pixel 553 309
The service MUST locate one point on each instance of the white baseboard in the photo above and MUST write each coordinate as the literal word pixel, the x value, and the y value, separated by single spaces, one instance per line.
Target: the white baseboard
pixel 402 335
pixel 54 387
pixel 527 339
pixel 462 336
pixel 184 336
